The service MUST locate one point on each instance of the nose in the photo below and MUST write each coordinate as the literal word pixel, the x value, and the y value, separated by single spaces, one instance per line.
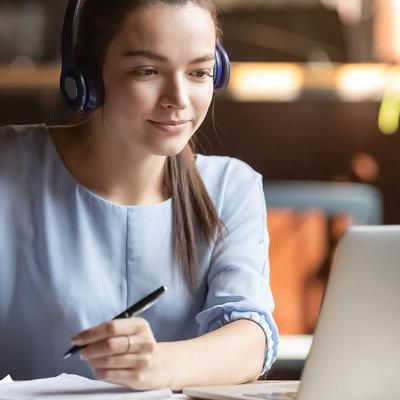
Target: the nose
pixel 175 94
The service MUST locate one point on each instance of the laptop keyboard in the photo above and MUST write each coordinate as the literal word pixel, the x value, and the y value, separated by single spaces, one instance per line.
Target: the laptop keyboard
pixel 273 396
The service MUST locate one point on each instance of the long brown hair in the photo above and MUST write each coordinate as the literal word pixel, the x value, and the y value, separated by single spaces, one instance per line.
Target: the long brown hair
pixel 195 219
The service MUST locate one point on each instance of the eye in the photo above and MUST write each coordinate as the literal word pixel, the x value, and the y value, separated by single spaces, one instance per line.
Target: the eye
pixel 202 74
pixel 144 72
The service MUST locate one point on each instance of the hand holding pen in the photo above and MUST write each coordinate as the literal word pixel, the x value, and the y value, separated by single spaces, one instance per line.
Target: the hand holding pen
pixel 109 348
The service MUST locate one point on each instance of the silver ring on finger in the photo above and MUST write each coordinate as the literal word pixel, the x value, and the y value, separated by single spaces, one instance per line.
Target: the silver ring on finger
pixel 130 343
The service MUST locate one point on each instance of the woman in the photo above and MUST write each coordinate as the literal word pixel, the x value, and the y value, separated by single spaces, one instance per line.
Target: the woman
pixel 97 215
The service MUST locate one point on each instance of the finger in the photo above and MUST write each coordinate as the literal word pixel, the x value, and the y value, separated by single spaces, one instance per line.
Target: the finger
pixel 118 327
pixel 129 361
pixel 107 347
pixel 117 345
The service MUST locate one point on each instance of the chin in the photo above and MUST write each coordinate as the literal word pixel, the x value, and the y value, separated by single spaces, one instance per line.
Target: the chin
pixel 169 151
pixel 170 147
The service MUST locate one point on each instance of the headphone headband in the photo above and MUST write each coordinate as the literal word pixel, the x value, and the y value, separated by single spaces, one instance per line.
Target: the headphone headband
pixel 71 16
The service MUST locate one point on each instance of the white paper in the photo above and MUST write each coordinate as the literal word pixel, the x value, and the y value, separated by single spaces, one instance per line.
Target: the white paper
pixel 7 379
pixel 74 387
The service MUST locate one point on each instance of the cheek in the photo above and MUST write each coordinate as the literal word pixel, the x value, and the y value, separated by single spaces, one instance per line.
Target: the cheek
pixel 127 96
pixel 202 102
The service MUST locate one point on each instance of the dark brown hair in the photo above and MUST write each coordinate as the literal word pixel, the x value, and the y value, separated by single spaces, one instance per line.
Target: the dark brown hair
pixel 195 219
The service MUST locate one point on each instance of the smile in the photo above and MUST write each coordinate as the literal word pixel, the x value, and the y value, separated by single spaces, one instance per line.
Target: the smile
pixel 170 126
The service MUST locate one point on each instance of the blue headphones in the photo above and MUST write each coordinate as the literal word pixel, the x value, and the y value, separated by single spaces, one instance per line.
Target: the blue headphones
pixel 84 92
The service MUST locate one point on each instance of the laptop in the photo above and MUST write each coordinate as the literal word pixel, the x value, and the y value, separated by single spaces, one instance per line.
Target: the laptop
pixel 355 352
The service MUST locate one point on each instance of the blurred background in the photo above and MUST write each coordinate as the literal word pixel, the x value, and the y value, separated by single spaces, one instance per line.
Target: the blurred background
pixel 313 105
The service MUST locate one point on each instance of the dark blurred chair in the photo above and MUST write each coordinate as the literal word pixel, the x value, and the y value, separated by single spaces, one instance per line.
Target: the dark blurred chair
pixel 361 202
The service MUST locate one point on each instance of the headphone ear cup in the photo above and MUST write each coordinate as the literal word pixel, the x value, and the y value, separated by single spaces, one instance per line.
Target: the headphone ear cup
pixel 94 90
pixel 222 70
pixel 73 88
pixel 81 88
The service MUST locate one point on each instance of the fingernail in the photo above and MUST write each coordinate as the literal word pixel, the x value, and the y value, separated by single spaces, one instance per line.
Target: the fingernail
pixel 76 341
pixel 82 355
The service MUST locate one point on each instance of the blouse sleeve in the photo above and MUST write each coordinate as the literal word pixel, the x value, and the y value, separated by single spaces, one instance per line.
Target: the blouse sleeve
pixel 238 278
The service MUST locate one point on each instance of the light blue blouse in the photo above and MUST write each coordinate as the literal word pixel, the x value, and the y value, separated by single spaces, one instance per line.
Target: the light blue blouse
pixel 70 259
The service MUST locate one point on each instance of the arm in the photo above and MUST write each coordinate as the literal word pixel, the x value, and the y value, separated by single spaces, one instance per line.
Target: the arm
pixel 231 354
pixel 237 336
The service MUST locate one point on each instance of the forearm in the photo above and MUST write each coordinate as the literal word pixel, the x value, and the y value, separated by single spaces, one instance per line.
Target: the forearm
pixel 231 354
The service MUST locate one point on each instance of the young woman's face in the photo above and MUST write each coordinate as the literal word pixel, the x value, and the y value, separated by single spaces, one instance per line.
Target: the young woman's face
pixel 157 76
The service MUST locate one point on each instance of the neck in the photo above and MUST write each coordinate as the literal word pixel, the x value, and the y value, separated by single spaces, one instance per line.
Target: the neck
pixel 111 167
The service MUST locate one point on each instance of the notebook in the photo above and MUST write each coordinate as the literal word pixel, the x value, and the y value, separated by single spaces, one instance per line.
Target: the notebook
pixel 355 353
pixel 73 387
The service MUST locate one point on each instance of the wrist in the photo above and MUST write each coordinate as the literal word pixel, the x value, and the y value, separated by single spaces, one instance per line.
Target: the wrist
pixel 166 367
pixel 171 371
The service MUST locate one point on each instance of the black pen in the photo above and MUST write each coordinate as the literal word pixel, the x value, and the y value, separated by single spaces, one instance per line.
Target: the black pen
pixel 136 309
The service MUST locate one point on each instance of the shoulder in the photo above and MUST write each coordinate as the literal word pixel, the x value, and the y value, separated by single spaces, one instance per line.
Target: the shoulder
pixel 8 137
pixel 211 165
pixel 13 136
pixel 228 179
pixel 20 144
pixel 16 130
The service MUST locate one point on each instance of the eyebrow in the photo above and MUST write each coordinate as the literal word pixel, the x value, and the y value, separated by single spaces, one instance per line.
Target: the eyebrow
pixel 158 57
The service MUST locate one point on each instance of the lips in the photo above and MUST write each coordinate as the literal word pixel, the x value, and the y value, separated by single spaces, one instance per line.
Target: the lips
pixel 170 126
pixel 170 122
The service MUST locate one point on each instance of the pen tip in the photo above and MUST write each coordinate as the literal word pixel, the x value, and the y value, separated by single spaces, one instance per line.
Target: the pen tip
pixel 68 355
